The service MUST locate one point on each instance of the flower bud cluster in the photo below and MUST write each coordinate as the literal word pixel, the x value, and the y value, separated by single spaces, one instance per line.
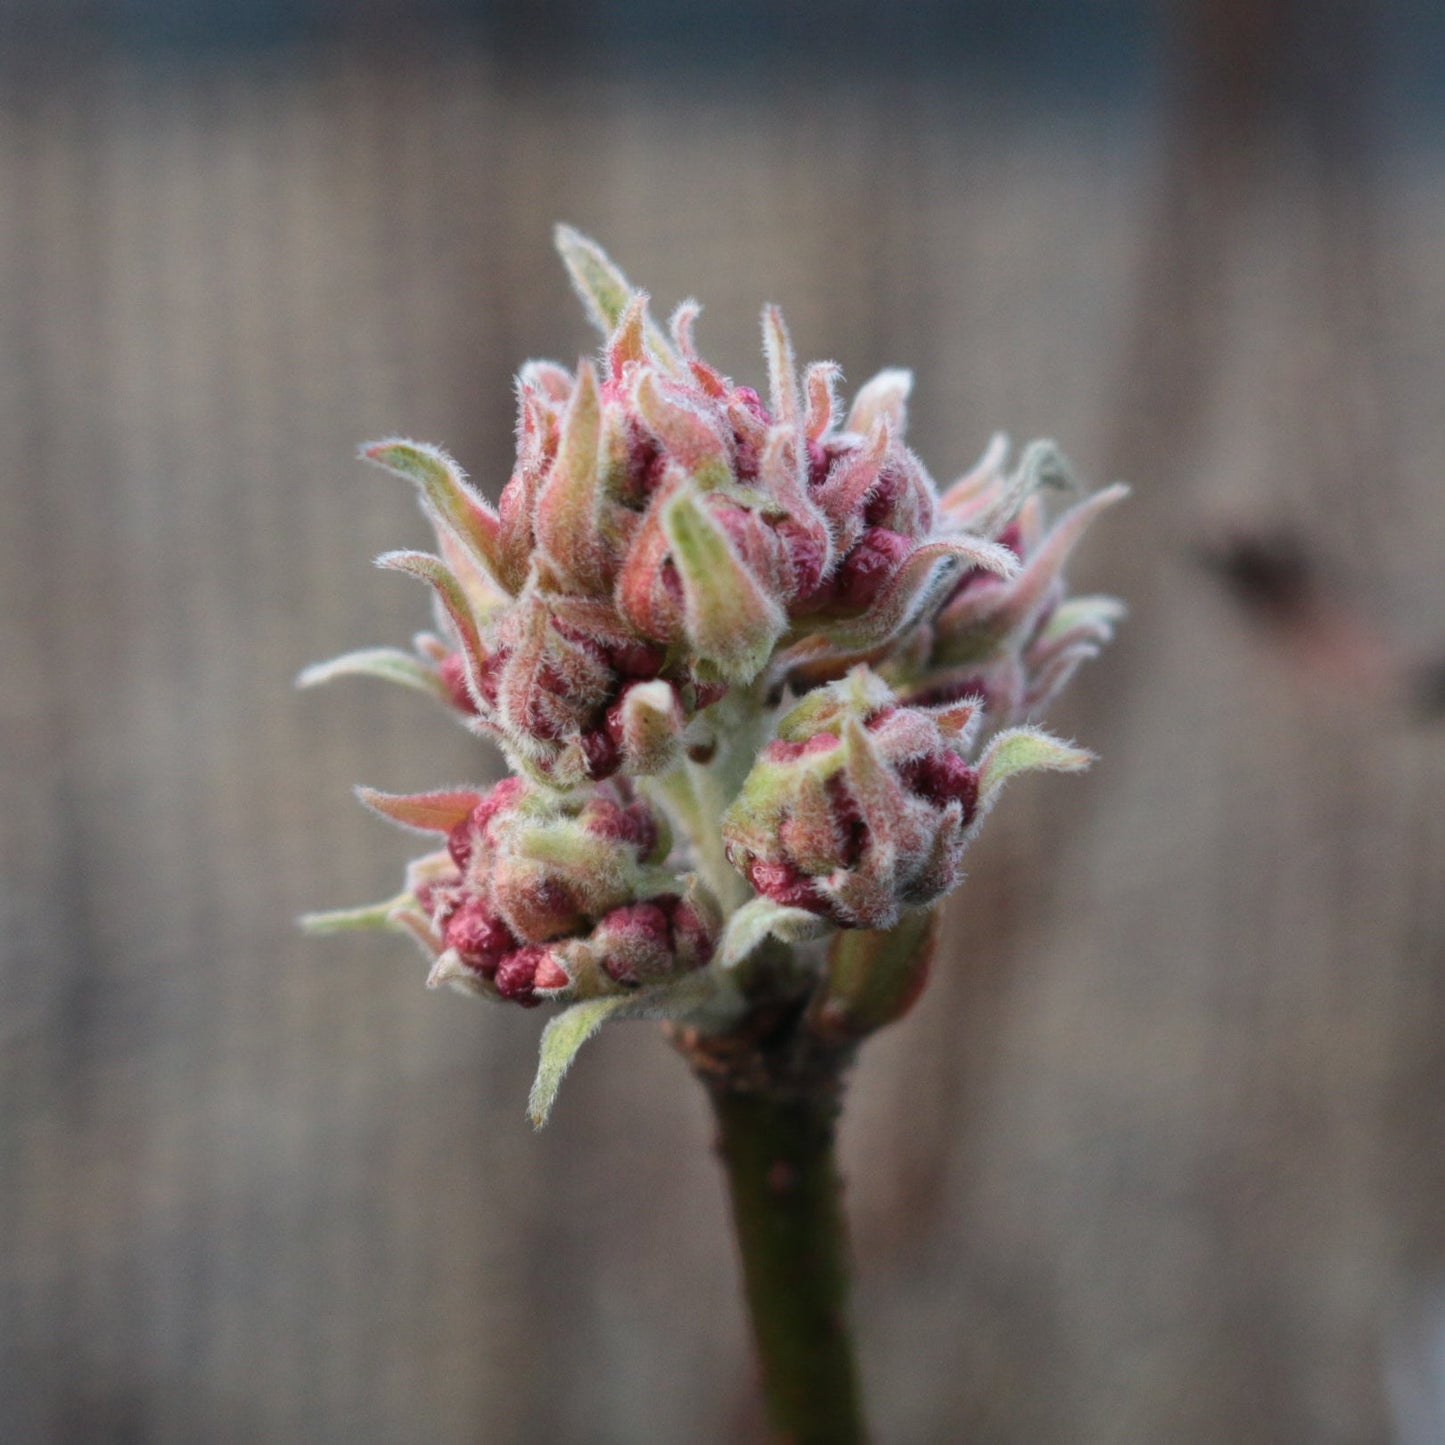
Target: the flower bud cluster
pixel 538 896
pixel 673 556
pixel 860 807
pixel 663 532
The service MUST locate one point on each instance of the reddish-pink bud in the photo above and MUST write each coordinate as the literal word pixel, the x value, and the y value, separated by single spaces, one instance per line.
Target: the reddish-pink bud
pixel 784 883
pixel 637 659
pixel 505 795
pixel 602 752
pixel 807 557
pixel 941 776
pixel 867 568
pixel 479 937
pixel 538 904
pixel 516 976
pixel 694 931
pixel 641 942
pixel 634 823
pixel 638 942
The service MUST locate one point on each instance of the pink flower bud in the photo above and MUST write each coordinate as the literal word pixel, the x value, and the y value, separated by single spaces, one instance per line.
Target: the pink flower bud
pixel 479 937
pixel 643 943
pixel 516 975
pixel 634 942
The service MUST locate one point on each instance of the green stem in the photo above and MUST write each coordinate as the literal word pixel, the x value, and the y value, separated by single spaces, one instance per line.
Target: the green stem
pixel 777 1148
pixel 695 795
pixel 713 790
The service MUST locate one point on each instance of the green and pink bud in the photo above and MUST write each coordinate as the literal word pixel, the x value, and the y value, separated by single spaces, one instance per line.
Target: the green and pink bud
pixel 861 807
pixel 639 944
pixel 538 896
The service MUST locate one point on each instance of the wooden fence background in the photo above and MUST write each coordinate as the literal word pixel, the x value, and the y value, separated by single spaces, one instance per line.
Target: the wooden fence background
pixel 1161 1156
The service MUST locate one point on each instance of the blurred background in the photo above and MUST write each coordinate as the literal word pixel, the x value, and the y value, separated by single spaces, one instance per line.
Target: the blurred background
pixel 1161 1154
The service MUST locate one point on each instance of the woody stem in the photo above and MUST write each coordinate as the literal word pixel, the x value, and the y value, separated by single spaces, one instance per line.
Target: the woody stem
pixel 777 1149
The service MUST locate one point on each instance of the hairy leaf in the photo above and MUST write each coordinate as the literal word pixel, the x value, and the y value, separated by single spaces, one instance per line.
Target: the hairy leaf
pixel 1025 750
pixel 390 664
pixel 565 1034
pixel 355 920
pixel 760 919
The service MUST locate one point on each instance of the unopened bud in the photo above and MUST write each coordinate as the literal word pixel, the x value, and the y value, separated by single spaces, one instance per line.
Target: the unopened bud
pixel 861 807
pixel 544 895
